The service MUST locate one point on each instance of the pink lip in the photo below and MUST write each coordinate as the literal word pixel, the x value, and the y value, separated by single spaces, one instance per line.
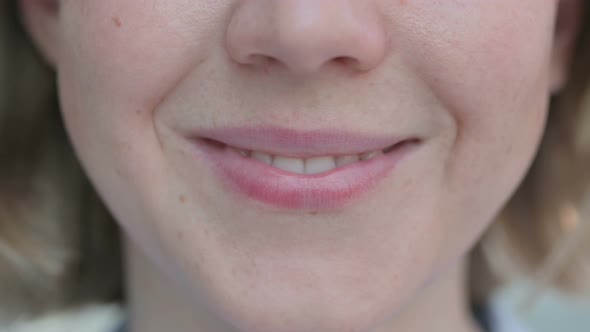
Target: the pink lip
pixel 291 143
pixel 285 190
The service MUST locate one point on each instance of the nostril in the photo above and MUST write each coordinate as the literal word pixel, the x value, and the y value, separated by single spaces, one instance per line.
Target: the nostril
pixel 260 59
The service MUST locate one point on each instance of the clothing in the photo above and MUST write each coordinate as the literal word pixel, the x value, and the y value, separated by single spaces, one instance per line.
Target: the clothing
pixel 502 319
pixel 91 318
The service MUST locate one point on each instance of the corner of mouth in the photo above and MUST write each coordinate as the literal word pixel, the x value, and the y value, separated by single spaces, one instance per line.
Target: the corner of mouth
pixel 409 141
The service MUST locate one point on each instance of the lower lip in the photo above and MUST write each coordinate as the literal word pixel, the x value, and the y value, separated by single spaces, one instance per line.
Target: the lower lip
pixel 285 190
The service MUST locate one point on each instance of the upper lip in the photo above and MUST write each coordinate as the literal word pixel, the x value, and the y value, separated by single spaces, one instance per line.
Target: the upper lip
pixel 300 143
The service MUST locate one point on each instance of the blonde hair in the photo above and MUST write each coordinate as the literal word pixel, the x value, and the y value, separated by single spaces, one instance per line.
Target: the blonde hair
pixel 542 232
pixel 59 246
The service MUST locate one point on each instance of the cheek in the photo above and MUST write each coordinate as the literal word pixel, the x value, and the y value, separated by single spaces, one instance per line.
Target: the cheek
pixel 115 68
pixel 126 49
pixel 498 92
pixel 490 73
pixel 119 61
pixel 486 63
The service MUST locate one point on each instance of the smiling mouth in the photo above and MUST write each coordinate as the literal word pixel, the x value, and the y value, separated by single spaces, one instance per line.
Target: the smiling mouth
pixel 287 169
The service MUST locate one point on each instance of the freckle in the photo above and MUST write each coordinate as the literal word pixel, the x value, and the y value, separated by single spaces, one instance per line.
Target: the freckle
pixel 117 21
pixel 119 171
pixel 403 2
pixel 180 236
pixel 181 198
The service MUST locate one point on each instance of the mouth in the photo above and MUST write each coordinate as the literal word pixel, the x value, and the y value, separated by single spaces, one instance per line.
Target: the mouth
pixel 304 171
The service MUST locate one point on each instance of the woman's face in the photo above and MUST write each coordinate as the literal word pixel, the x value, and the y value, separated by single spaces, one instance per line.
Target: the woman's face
pixel 148 87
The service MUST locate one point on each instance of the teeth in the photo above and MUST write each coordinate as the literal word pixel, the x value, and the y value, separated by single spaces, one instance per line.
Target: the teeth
pixel 346 160
pixel 319 165
pixel 370 155
pixel 314 165
pixel 263 157
pixel 242 152
pixel 294 165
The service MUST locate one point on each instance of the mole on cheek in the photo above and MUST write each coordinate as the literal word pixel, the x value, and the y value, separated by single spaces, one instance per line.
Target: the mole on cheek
pixel 117 22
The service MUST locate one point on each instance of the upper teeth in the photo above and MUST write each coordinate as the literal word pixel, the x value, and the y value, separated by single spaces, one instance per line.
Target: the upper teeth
pixel 313 165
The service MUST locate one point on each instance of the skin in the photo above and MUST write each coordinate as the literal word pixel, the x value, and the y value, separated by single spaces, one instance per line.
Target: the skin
pixel 473 78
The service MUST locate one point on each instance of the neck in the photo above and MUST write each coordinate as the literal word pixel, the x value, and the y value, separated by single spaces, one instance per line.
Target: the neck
pixel 155 303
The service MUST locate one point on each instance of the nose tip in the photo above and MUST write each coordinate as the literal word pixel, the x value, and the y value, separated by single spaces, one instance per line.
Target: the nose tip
pixel 306 35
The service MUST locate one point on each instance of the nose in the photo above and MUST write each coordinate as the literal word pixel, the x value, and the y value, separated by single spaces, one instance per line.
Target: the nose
pixel 306 35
